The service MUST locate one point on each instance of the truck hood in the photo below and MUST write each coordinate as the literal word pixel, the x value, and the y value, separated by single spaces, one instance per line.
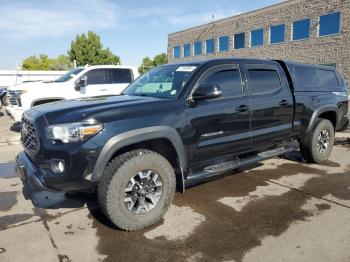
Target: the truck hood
pixel 35 86
pixel 99 107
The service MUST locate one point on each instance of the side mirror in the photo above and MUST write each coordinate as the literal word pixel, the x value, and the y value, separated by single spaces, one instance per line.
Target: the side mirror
pixel 206 91
pixel 81 82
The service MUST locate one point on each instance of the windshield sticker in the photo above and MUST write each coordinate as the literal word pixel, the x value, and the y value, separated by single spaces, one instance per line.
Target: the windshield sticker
pixel 186 68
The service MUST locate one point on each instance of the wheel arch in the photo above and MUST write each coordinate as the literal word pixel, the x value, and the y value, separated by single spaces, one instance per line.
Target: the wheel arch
pixel 140 138
pixel 329 112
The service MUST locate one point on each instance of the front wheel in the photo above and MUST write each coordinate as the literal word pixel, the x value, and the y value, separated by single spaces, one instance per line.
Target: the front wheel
pixel 318 144
pixel 5 100
pixel 136 189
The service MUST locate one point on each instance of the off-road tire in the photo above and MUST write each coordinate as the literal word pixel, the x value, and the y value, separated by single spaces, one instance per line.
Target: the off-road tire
pixel 115 179
pixel 4 101
pixel 309 144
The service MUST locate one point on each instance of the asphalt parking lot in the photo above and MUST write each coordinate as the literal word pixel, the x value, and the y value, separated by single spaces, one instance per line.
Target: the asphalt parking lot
pixel 279 210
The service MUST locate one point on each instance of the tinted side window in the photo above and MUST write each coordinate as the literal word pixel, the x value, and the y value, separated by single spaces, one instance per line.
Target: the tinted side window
pixel 97 76
pixel 307 76
pixel 120 76
pixel 328 78
pixel 228 80
pixel 313 77
pixel 263 80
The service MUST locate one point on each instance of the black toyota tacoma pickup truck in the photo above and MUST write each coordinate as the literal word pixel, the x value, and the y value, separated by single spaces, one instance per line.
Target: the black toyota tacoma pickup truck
pixel 177 125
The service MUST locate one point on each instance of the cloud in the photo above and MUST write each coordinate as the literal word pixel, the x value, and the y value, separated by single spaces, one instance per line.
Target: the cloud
pixel 180 17
pixel 23 20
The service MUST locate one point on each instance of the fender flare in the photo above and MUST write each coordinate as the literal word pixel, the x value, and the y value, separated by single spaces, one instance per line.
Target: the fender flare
pixel 136 136
pixel 319 111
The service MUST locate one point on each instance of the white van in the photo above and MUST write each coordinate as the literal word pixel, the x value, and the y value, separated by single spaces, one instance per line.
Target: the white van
pixel 79 82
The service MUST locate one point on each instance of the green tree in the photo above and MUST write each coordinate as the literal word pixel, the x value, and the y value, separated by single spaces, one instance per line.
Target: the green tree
pixel 148 63
pixel 160 59
pixel 88 49
pixel 43 62
pixel 62 62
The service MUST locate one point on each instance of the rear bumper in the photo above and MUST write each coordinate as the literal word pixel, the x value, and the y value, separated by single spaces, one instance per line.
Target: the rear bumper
pixel 33 188
pixel 14 113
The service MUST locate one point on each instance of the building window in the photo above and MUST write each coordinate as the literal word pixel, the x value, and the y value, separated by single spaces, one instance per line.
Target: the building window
pixel 187 50
pixel 329 24
pixel 239 41
pixel 301 29
pixel 209 46
pixel 257 37
pixel 330 64
pixel 176 52
pixel 277 34
pixel 197 48
pixel 223 43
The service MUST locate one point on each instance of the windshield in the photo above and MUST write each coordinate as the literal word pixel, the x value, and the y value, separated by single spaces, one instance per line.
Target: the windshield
pixel 163 82
pixel 69 75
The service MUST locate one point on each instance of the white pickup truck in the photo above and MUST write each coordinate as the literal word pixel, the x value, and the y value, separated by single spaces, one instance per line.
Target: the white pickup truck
pixel 79 82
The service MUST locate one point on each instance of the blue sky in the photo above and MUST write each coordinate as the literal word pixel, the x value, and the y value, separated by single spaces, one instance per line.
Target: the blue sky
pixel 131 29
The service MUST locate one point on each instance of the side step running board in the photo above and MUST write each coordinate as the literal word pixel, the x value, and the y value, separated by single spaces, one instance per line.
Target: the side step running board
pixel 218 169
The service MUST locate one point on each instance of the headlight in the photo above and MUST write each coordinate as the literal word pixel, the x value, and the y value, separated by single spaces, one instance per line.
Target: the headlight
pixel 74 132
pixel 19 92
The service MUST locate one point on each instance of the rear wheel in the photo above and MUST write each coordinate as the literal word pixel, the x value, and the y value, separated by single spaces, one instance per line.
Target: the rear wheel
pixel 136 189
pixel 317 146
pixel 5 100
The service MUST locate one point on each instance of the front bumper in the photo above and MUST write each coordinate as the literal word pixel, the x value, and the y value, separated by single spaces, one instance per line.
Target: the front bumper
pixel 33 188
pixel 14 113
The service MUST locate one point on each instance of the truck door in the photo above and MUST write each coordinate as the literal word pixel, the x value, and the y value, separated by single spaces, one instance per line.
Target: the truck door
pixel 271 104
pixel 98 83
pixel 220 126
pixel 121 78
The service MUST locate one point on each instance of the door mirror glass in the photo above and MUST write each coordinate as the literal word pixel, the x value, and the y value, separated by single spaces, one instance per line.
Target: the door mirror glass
pixel 81 82
pixel 206 91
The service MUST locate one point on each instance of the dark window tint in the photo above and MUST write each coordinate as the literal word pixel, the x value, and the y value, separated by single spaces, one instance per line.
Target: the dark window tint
pixel 198 48
pixel 239 41
pixel 209 46
pixel 257 37
pixel 263 80
pixel 329 24
pixel 223 43
pixel 312 77
pixel 277 34
pixel 228 80
pixel 187 50
pixel 120 76
pixel 301 29
pixel 328 78
pixel 176 52
pixel 97 76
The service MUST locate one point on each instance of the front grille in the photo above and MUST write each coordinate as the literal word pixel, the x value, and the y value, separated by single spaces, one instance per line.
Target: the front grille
pixel 15 99
pixel 29 137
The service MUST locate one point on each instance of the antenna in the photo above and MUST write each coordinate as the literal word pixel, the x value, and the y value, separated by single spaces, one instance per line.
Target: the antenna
pixel 212 17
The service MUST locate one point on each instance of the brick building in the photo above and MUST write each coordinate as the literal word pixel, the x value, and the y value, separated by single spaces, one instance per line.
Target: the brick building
pixel 309 31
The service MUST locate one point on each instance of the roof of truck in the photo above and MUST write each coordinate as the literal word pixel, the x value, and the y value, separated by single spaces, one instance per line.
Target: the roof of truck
pixel 108 66
pixel 216 60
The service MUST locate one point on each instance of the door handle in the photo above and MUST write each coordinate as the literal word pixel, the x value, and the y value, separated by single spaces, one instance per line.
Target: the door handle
pixel 103 89
pixel 284 103
pixel 242 108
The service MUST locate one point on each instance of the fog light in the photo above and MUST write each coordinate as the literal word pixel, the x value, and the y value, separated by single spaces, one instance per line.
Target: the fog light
pixel 57 166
